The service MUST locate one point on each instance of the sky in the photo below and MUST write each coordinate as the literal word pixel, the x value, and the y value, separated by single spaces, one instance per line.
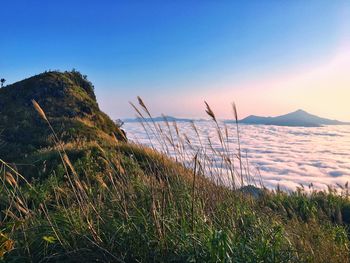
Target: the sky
pixel 269 57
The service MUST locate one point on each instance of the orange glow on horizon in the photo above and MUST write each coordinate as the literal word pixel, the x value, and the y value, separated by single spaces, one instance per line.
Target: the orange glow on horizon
pixel 323 90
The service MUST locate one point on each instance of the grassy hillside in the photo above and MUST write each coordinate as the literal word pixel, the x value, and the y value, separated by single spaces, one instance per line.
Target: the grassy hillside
pixel 84 197
pixel 69 101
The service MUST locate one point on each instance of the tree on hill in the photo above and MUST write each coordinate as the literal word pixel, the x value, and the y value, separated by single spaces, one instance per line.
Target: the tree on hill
pixel 2 82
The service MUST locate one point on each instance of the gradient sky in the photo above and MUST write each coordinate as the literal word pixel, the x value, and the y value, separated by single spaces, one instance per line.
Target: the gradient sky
pixel 270 57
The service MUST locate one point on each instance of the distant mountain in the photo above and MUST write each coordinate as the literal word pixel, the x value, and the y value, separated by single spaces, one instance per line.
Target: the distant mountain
pixel 161 118
pixel 297 118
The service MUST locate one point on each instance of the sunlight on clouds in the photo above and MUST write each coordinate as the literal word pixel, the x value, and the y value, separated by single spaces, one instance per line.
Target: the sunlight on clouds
pixel 285 156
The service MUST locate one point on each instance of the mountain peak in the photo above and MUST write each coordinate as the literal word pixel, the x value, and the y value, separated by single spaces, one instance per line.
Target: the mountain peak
pixel 300 111
pixel 295 118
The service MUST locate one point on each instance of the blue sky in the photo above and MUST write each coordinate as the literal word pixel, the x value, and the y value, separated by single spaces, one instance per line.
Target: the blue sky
pixel 175 54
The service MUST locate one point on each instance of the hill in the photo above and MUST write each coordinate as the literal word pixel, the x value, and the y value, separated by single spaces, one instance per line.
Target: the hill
pixel 69 102
pixel 297 118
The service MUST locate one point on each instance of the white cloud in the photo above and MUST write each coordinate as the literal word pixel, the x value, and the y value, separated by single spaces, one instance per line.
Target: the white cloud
pixel 285 156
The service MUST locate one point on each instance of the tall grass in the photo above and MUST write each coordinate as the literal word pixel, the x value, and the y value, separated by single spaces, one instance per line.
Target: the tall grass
pixel 128 203
pixel 228 167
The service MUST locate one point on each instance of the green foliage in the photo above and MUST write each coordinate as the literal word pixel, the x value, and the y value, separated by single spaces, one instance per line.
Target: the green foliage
pixel 125 214
pixel 69 102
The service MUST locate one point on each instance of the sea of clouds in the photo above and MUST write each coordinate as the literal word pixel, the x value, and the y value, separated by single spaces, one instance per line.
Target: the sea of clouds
pixel 287 157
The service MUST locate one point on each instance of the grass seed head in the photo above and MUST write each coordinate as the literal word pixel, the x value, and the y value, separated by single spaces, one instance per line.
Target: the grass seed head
pixel 39 110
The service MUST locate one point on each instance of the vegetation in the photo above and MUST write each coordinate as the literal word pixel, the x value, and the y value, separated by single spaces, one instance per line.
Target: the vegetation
pixel 70 103
pixel 94 199
pixel 2 81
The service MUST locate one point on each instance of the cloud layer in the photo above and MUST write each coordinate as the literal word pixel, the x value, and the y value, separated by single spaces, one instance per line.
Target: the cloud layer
pixel 284 156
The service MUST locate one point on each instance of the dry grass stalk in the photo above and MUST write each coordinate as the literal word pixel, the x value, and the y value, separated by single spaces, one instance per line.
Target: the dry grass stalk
pixel 238 141
pixel 209 111
pixel 68 162
pixel 39 110
pixel 15 172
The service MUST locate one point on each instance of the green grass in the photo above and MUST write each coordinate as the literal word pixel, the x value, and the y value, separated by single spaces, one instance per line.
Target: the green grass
pixel 69 101
pixel 101 201
pixel 129 204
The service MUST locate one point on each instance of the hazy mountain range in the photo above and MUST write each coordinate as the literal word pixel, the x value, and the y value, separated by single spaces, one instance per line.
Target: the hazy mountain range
pixel 161 118
pixel 297 118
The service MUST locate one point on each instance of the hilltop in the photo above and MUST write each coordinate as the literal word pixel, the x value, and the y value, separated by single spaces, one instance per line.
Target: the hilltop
pixel 297 118
pixel 69 102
